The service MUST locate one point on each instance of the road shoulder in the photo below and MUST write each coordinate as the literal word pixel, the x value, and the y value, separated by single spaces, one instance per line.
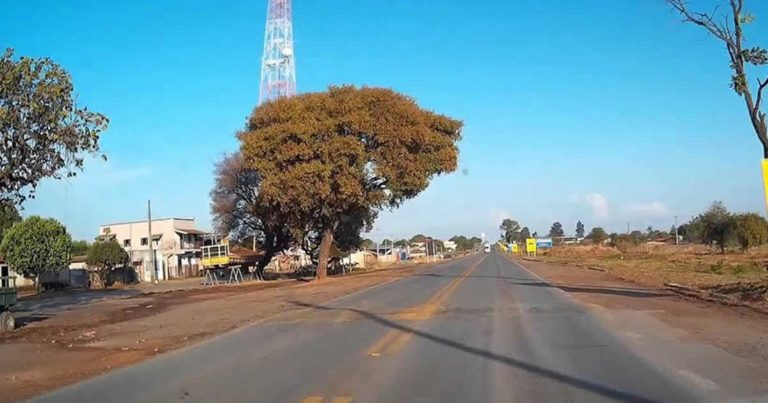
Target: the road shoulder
pixel 661 324
pixel 104 335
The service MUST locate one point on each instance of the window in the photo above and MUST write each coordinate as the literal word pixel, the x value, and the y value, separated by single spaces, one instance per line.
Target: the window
pixel 144 241
pixel 126 243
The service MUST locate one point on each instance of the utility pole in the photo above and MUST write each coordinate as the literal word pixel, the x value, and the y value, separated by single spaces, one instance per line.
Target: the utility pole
pixel 677 238
pixel 151 250
pixel 627 227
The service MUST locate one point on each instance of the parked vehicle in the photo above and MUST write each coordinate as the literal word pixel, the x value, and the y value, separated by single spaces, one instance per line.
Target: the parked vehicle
pixel 8 297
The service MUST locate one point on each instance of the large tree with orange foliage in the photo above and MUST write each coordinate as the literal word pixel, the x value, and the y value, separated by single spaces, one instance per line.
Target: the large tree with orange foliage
pixel 330 158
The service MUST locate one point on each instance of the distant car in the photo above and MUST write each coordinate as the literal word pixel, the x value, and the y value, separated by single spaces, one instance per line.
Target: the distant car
pixel 487 248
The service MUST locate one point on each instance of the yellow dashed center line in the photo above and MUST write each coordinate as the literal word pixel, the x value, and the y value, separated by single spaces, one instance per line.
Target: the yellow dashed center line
pixel 394 340
pixel 319 399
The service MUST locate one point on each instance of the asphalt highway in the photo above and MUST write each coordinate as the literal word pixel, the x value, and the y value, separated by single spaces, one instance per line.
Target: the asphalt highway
pixel 476 329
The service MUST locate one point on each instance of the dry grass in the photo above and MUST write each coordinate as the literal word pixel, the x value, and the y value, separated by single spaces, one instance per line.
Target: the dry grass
pixel 658 264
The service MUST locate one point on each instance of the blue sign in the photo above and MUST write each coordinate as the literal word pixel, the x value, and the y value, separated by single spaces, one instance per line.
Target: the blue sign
pixel 544 243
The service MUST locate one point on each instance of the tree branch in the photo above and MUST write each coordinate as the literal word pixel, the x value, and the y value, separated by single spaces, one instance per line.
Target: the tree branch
pixel 760 88
pixel 700 19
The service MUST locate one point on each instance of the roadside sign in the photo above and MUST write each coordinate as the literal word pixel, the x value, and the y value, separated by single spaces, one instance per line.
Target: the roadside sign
pixel 544 243
pixel 530 245
pixel 764 165
pixel 515 248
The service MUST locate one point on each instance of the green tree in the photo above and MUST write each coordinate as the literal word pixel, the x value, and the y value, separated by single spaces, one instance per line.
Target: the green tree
pixel 525 233
pixel 44 133
pixel 368 243
pixel 556 230
pixel 751 230
pixel 402 243
pixel 104 257
pixel 418 238
pixel 240 211
pixel 597 235
pixel 8 216
pixel 36 245
pixel 728 28
pixel 715 226
pixel 579 229
pixel 637 237
pixel 462 243
pixel 80 248
pixel 510 229
pixel 361 149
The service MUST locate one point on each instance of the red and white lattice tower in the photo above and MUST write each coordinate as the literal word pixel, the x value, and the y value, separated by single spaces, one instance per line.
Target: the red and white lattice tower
pixel 278 69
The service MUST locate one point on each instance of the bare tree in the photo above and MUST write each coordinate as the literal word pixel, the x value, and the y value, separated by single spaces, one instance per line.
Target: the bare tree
pixel 728 28
pixel 239 210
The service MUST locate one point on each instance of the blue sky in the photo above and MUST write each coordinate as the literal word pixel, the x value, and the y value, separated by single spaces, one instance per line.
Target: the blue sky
pixel 597 110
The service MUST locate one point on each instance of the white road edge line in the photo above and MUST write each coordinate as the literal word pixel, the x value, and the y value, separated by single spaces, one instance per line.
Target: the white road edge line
pixel 539 278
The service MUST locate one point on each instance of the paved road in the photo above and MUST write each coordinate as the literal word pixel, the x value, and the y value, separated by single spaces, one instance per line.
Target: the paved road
pixel 475 329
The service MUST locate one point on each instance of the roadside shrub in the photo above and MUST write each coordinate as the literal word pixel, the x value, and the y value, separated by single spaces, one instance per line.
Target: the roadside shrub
pixel 597 235
pixel 625 242
pixel 751 230
pixel 103 257
pixel 716 227
pixel 717 268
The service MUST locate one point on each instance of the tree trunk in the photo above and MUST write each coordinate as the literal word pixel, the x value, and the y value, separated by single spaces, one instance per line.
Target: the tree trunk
pixel 269 253
pixel 325 252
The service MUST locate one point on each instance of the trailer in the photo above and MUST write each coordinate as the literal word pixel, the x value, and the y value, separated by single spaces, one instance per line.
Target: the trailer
pixel 219 266
pixel 8 297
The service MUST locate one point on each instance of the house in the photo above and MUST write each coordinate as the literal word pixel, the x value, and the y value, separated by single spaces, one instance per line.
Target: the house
pixel 360 259
pixel 6 272
pixel 176 243
pixel 450 246
pixel 385 253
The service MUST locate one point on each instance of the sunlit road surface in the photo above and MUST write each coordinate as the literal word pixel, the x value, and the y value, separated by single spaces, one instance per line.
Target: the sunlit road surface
pixel 476 329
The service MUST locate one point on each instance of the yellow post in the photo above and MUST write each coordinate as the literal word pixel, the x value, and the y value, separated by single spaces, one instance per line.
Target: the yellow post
pixel 764 165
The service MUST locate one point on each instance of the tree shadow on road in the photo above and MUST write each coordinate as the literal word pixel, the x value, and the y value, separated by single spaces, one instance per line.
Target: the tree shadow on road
pixel 619 291
pixel 586 385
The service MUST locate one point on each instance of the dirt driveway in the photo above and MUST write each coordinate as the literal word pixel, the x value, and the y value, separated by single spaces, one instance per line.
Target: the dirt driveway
pixel 80 338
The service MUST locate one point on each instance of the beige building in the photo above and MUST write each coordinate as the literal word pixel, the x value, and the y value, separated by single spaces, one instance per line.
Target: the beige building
pixel 6 272
pixel 176 243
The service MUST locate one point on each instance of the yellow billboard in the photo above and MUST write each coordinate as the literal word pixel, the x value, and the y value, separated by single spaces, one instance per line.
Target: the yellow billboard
pixel 530 245
pixel 765 179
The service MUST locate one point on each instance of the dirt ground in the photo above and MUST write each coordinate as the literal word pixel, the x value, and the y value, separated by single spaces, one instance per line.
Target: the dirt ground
pixel 740 331
pixel 738 277
pixel 98 336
